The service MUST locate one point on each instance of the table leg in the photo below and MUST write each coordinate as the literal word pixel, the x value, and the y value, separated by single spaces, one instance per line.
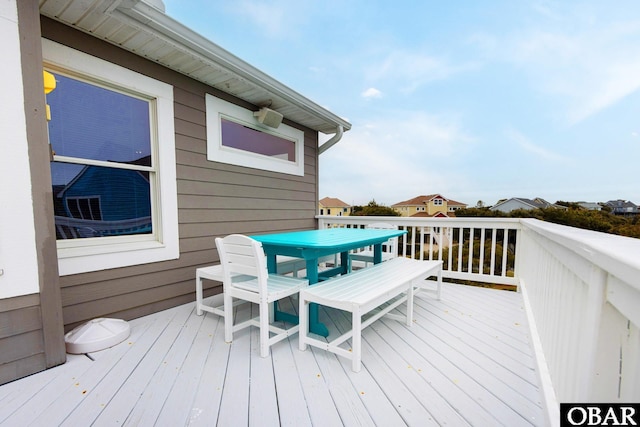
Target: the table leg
pixel 275 314
pixel 272 265
pixel 315 325
pixel 345 262
pixel 377 253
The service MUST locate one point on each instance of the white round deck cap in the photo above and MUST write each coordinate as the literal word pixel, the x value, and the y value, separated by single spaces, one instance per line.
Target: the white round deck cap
pixel 96 335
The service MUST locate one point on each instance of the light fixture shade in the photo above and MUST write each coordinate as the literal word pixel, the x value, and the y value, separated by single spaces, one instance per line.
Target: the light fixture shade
pixel 269 117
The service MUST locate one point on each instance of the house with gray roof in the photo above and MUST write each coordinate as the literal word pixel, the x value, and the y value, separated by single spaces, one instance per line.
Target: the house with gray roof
pixel 514 203
pixel 623 207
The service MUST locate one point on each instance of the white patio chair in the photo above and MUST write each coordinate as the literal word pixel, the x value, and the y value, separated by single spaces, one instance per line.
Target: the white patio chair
pixel 245 277
pixel 389 248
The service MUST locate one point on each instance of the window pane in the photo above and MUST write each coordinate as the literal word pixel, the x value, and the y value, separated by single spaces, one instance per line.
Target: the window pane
pixel 95 201
pixel 91 122
pixel 237 136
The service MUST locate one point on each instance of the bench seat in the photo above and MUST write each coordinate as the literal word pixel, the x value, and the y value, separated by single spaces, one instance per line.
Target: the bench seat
pixel 361 292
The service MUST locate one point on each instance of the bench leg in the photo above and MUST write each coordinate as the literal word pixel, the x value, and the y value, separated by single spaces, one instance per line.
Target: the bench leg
pixel 439 291
pixel 356 341
pixel 410 293
pixel 303 317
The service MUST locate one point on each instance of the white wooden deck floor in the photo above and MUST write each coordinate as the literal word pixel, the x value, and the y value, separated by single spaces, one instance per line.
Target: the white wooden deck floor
pixel 467 360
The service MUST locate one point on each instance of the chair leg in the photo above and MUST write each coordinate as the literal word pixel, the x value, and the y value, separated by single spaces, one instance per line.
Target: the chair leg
pixel 198 295
pixel 264 329
pixel 228 317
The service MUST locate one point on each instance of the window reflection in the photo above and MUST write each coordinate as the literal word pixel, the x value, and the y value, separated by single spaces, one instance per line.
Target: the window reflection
pixel 237 136
pixel 93 131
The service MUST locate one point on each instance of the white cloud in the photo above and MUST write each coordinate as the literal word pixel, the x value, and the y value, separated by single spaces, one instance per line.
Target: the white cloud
pixel 590 69
pixel 271 19
pixel 371 93
pixel 411 70
pixel 392 159
pixel 539 151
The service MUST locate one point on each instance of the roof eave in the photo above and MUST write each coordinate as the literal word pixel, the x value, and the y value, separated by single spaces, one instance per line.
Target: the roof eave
pixel 153 23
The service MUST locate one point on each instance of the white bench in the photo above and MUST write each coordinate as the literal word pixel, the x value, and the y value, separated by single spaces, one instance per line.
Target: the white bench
pixel 361 292
pixel 286 265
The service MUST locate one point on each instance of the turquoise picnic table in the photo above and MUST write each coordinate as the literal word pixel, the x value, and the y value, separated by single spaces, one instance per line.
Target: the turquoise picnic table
pixel 312 245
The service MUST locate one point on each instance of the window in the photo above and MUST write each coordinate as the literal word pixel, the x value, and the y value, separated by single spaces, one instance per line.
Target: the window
pixel 235 137
pixel 437 202
pixel 113 170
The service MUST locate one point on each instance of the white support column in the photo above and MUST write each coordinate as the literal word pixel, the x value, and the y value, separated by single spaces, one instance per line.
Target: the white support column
pixel 18 256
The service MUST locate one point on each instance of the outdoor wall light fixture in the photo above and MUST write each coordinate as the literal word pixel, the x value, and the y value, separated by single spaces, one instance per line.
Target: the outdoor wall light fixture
pixel 268 117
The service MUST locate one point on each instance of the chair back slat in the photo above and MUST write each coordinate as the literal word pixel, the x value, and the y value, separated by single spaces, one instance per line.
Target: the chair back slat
pixel 242 255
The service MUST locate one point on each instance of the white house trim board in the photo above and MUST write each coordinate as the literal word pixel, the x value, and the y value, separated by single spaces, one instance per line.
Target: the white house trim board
pixel 18 254
pixel 218 108
pixel 108 252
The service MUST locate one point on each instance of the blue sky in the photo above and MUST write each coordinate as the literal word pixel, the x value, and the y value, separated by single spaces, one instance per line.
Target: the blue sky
pixel 475 100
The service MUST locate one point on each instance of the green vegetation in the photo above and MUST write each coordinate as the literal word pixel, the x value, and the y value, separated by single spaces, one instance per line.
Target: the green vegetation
pixel 373 209
pixel 574 216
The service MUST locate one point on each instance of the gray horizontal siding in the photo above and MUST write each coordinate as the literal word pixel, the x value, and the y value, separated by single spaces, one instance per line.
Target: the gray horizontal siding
pixel 214 199
pixel 21 337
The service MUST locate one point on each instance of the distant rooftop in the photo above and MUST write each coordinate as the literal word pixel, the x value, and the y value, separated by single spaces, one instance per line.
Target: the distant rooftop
pixel 422 200
pixel 333 202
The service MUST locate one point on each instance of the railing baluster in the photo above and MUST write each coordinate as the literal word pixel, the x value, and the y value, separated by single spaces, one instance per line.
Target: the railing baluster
pixel 440 231
pixel 460 245
pixel 471 237
pixel 481 256
pixel 505 246
pixel 493 251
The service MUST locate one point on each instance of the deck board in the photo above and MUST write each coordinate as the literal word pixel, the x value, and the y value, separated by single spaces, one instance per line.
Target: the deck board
pixel 466 360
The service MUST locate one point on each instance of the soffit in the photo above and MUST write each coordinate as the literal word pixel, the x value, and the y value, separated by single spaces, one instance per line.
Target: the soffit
pixel 148 32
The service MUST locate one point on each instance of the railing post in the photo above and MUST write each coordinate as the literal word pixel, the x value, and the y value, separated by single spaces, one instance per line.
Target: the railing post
pixel 592 328
pixel 517 267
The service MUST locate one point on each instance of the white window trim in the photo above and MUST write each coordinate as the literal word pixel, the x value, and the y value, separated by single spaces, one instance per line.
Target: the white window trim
pixel 128 250
pixel 218 108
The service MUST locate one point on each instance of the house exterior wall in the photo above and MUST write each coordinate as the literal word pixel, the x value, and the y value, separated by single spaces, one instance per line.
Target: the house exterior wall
pixel 429 209
pixel 31 333
pixel 214 199
pixel 334 210
pixel 433 209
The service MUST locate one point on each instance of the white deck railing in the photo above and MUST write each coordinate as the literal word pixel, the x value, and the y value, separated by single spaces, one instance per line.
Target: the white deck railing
pixel 462 244
pixel 581 291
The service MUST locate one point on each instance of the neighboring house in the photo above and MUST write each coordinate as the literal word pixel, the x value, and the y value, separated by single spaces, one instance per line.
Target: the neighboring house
pixel 132 83
pixel 91 206
pixel 333 206
pixel 514 203
pixel 591 206
pixel 622 207
pixel 433 205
